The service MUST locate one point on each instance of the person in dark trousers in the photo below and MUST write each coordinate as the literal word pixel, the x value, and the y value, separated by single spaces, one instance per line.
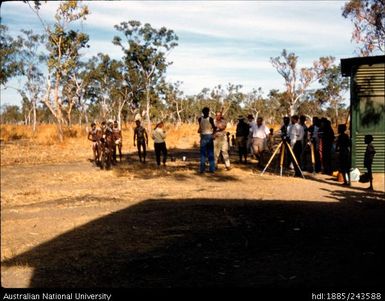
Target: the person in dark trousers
pixel 284 133
pixel 206 130
pixel 343 148
pixel 141 139
pixel 296 136
pixel 242 133
pixel 327 140
pixel 368 159
pixel 159 136
pixel 302 122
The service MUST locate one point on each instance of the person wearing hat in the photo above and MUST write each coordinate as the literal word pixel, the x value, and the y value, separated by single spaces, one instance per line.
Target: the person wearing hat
pixel 242 133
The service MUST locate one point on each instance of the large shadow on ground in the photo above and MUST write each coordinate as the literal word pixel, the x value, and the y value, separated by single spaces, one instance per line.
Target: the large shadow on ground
pixel 220 243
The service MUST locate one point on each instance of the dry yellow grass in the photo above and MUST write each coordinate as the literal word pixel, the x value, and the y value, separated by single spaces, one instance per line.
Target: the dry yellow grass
pixel 19 145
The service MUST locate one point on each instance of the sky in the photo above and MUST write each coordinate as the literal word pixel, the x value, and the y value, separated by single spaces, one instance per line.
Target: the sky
pixel 220 42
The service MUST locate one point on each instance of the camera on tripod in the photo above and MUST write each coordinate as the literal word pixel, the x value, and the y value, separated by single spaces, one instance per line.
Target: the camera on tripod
pixel 284 135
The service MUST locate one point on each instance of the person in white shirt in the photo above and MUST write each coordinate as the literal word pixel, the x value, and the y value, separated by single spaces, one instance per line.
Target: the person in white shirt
pixel 296 134
pixel 260 132
pixel 159 136
pixel 313 136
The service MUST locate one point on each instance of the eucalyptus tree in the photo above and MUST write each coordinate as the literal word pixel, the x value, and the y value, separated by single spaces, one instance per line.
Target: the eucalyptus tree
pixel 81 82
pixel 173 97
pixel 368 17
pixel 64 50
pixel 112 85
pixel 333 86
pixel 30 58
pixel 297 81
pixel 310 106
pixel 278 102
pixel 145 51
pixel 103 73
pixel 254 103
pixel 121 93
pixel 232 101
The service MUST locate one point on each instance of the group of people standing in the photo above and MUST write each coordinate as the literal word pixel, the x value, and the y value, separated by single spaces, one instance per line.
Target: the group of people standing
pixel 214 139
pixel 255 138
pixel 311 146
pixel 159 137
pixel 109 138
pixel 106 140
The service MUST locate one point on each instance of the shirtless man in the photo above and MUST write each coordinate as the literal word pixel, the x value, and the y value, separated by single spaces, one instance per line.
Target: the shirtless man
pixel 107 144
pixel 94 135
pixel 141 140
pixel 118 139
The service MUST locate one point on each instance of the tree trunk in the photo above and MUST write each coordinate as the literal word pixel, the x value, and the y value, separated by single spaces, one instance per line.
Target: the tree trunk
pixel 69 111
pixel 59 113
pixel 34 116
pixel 104 108
pixel 292 109
pixel 178 114
pixel 119 117
pixel 148 109
pixel 86 120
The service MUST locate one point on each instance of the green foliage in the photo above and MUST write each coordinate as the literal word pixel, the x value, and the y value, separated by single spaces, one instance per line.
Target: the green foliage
pixel 103 87
pixel 10 114
pixel 64 44
pixel 9 49
pixel 145 49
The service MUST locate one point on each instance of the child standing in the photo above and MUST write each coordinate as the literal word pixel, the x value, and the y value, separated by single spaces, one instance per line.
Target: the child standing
pixel 368 159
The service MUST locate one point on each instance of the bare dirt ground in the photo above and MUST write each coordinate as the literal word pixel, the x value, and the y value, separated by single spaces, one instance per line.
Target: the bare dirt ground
pixel 71 224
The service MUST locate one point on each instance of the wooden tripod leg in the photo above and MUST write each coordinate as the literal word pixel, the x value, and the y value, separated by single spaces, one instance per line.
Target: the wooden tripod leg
pixel 271 158
pixel 295 160
pixel 312 156
pixel 282 158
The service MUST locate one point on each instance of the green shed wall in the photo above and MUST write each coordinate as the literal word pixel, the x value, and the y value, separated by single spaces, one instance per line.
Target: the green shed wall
pixel 368 113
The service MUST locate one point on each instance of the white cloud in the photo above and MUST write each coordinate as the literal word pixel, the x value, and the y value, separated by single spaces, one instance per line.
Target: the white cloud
pixel 219 41
pixel 227 19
